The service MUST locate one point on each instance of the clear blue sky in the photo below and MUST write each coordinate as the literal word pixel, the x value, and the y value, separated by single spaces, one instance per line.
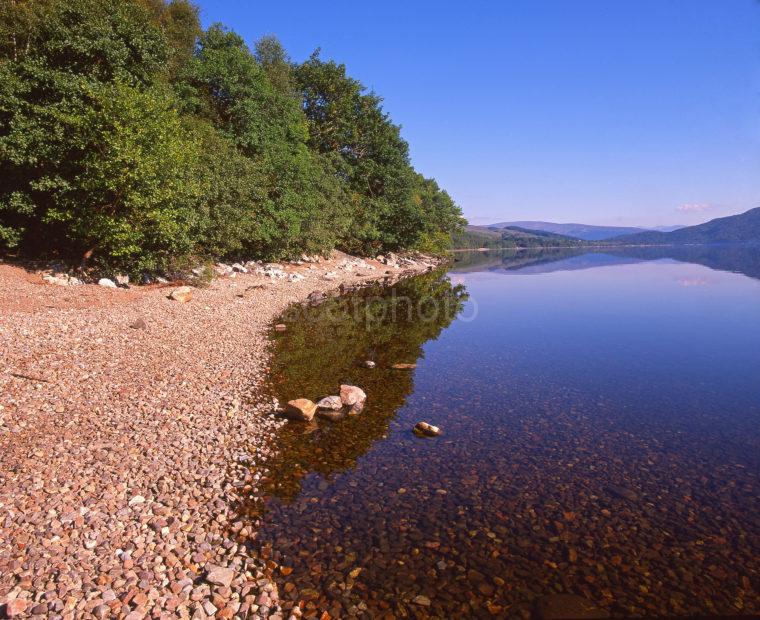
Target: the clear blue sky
pixel 641 112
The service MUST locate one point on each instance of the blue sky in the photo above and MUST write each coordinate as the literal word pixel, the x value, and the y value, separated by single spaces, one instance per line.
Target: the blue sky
pixel 634 112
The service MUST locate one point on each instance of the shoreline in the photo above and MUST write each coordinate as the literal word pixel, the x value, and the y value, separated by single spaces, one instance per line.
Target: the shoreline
pixel 124 422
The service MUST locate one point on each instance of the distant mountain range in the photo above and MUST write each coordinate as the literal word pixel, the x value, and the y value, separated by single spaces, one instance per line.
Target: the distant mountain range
pixel 512 237
pixel 740 228
pixel 587 232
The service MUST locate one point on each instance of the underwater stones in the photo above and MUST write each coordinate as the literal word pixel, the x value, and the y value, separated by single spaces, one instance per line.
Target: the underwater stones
pixel 280 327
pixel 331 414
pixel 350 395
pixel 368 364
pixel 622 492
pixel 566 606
pixel 427 430
pixel 301 409
pixel 404 366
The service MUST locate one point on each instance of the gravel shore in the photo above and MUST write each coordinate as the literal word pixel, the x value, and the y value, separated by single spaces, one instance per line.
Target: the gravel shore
pixel 122 419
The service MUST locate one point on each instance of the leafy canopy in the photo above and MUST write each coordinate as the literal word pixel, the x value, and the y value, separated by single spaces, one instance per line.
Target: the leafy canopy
pixel 130 134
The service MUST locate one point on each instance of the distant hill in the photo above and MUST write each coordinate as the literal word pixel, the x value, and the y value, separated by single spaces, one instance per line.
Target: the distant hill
pixel 586 232
pixel 732 229
pixel 512 237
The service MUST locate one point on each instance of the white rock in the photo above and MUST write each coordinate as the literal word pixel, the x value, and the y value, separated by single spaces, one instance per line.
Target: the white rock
pixel 107 283
pixel 330 402
pixel 221 270
pixel 351 395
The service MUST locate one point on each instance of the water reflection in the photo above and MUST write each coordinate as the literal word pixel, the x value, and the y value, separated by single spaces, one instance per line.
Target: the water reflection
pixel 324 347
pixel 737 258
pixel 600 438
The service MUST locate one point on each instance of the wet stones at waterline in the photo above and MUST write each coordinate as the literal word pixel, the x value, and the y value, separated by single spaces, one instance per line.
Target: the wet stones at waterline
pixel 301 409
pixel 331 408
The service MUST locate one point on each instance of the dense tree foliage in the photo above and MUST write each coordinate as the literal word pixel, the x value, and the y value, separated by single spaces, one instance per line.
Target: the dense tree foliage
pixel 130 135
pixel 510 237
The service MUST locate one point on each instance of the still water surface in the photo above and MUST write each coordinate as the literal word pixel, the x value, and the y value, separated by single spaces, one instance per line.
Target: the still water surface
pixel 601 437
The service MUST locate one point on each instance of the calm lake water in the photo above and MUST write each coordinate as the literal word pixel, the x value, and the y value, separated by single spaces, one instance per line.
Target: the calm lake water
pixel 601 437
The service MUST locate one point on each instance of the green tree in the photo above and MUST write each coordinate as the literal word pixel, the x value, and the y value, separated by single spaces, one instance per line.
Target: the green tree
pixel 300 202
pixel 180 22
pixel 442 218
pixel 274 60
pixel 133 197
pixel 45 95
pixel 390 207
pixel 127 132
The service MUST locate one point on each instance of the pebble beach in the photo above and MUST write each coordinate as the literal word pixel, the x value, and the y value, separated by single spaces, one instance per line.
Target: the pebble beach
pixel 121 418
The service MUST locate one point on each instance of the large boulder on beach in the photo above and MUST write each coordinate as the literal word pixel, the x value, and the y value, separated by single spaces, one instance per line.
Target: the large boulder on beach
pixel 350 395
pixel 301 409
pixel 183 294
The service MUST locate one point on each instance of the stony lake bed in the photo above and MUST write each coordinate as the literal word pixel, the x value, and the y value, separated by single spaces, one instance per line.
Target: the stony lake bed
pixel 598 453
pixel 122 418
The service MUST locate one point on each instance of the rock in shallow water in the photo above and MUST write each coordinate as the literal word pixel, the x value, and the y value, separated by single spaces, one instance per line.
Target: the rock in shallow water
pixel 301 409
pixel 330 402
pixel 351 395
pixel 404 366
pixel 428 430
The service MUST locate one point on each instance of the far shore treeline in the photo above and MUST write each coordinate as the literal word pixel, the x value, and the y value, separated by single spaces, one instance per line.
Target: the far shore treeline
pixel 135 140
